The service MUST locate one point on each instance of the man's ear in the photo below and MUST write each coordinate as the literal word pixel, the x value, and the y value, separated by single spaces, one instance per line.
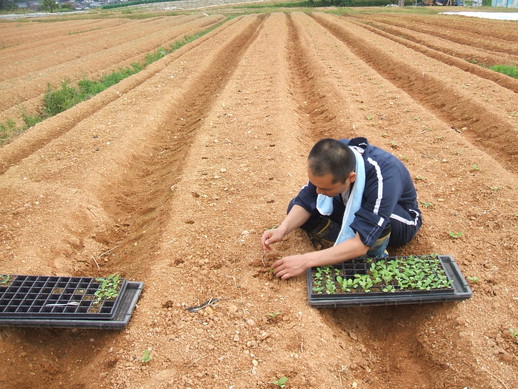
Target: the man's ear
pixel 352 177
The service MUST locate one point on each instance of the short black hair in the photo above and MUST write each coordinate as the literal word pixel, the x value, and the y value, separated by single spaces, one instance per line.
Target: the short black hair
pixel 331 156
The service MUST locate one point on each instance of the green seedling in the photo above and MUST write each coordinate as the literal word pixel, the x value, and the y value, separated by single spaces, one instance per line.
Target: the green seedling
pixel 281 382
pixel 4 279
pixel 109 288
pixel 473 279
pixel 410 273
pixel 513 332
pixel 495 188
pixel 475 167
pixel 420 178
pixel 455 235
pixel 273 315
pixel 426 204
pixel 147 356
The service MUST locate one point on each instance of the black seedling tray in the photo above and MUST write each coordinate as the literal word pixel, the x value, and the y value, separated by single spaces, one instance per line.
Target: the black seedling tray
pixel 120 320
pixel 457 289
pixel 51 297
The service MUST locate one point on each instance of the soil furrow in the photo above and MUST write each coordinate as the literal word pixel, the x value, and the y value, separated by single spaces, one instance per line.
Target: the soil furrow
pixel 133 188
pixel 503 30
pixel 54 127
pixel 251 125
pixel 464 34
pixel 171 176
pixel 149 180
pixel 316 108
pixel 484 127
pixel 433 52
pixel 465 52
pixel 408 362
pixel 33 33
pixel 23 61
pixel 17 91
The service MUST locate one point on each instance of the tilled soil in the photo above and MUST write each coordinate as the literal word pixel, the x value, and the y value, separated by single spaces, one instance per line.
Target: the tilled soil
pixel 171 176
pixel 32 63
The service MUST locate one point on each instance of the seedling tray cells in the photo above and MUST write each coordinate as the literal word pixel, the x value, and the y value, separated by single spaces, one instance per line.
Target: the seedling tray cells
pixel 64 300
pixel 384 281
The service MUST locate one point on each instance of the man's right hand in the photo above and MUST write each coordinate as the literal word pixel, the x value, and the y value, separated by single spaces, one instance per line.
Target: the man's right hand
pixel 271 236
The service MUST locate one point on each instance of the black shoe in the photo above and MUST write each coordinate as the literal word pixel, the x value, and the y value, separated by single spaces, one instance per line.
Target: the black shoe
pixel 324 233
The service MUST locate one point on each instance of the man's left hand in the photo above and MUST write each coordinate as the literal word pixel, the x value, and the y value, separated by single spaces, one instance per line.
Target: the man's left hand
pixel 290 266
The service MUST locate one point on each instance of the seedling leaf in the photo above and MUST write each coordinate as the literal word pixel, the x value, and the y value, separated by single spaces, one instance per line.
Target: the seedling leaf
pixel 455 234
pixel 281 382
pixel 147 356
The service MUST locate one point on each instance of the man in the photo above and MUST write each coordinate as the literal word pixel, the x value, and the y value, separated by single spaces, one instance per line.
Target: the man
pixel 359 197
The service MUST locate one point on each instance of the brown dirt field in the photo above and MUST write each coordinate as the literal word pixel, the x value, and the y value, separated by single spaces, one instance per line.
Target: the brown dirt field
pixel 481 33
pixel 171 176
pixel 28 68
pixel 33 33
pixel 446 44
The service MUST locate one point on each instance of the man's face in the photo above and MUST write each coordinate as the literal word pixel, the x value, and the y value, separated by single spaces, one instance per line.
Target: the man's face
pixel 326 186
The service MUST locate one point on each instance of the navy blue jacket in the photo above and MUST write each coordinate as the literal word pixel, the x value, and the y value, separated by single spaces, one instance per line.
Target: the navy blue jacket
pixel 387 184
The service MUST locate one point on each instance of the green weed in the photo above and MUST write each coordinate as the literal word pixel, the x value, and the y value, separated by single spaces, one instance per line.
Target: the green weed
pixel 7 130
pixel 147 356
pixel 509 70
pixel 455 235
pixel 57 100
pixel 31 121
pixel 281 382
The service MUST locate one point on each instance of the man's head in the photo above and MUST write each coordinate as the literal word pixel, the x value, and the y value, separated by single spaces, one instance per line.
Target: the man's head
pixel 331 166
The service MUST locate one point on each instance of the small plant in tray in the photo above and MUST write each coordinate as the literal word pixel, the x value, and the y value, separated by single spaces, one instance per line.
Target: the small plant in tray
pixel 397 274
pixel 109 288
pixel 5 280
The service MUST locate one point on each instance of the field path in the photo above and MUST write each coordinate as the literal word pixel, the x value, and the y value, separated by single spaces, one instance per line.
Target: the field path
pixel 171 176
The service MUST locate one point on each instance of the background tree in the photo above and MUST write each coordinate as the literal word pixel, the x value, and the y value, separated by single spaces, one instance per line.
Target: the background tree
pixel 49 5
pixel 7 5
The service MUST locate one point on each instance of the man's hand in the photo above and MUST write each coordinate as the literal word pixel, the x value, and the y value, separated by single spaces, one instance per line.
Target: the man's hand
pixel 271 236
pixel 291 266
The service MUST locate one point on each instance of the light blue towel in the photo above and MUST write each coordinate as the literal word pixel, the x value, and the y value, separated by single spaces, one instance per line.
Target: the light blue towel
pixel 325 203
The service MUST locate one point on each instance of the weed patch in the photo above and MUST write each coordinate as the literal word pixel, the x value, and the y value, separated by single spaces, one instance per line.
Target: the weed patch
pixel 7 130
pixel 509 70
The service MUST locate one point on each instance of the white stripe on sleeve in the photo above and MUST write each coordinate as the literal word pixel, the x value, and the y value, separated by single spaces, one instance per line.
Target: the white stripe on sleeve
pixel 406 221
pixel 380 185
